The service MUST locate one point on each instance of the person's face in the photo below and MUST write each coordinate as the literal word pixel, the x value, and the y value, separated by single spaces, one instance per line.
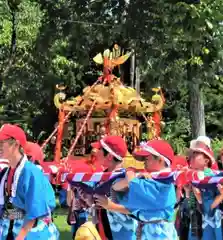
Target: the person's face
pixel 152 163
pixel 107 160
pixel 198 161
pixel 98 157
pixel 101 158
pixel 7 149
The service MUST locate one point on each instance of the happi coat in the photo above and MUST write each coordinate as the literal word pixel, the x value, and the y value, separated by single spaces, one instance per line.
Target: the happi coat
pixel 117 226
pixel 152 203
pixel 211 218
pixel 32 194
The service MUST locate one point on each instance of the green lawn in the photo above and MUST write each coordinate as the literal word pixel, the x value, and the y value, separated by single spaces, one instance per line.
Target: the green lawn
pixel 60 219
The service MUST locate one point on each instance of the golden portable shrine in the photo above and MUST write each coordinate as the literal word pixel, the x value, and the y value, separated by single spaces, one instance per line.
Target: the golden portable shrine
pixel 110 96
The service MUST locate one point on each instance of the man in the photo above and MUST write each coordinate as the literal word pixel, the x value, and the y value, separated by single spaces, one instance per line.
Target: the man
pixel 112 150
pixel 151 202
pixel 25 193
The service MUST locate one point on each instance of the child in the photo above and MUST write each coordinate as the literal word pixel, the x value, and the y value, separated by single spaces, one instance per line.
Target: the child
pixel 112 150
pixel 26 194
pixel 151 202
pixel 202 158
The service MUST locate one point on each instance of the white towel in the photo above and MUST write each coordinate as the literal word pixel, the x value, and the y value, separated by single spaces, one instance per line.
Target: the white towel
pixel 15 180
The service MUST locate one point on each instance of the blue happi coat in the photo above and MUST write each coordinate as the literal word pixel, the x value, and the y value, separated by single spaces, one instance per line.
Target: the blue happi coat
pixel 150 200
pixel 211 219
pixel 32 193
pixel 122 226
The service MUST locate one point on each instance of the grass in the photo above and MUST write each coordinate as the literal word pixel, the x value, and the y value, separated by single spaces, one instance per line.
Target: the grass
pixel 60 219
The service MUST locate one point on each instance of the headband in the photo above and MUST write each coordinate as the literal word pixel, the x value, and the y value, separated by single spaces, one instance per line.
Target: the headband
pixel 107 148
pixel 151 150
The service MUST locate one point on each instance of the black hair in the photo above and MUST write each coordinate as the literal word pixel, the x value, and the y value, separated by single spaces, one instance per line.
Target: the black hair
pixel 105 153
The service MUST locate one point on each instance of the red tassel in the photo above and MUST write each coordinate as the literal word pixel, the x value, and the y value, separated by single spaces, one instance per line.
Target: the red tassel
pixel 100 227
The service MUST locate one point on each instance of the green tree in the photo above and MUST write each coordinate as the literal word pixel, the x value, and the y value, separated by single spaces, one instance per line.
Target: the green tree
pixel 178 46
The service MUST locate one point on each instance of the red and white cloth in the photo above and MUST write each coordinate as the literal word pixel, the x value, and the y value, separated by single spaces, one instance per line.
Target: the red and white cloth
pixel 157 147
pixel 115 145
pixel 169 175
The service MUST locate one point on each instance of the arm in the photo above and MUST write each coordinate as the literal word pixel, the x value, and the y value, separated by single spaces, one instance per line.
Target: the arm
pixel 25 229
pixel 39 199
pixel 106 203
pixel 219 198
pixel 197 194
pixel 70 196
pixel 117 208
pixel 123 184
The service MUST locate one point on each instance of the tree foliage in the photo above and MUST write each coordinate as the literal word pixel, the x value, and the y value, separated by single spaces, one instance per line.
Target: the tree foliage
pixel 56 42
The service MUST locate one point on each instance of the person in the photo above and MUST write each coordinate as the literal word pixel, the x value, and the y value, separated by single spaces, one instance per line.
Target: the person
pixel 113 225
pixel 26 195
pixel 151 202
pixel 207 142
pixel 77 214
pixel 181 208
pixel 202 159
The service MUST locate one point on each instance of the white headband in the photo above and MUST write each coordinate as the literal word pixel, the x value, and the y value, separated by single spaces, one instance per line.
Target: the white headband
pixel 151 150
pixel 107 148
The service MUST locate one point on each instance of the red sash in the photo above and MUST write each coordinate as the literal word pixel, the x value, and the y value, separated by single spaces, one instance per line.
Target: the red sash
pixel 10 180
pixel 101 227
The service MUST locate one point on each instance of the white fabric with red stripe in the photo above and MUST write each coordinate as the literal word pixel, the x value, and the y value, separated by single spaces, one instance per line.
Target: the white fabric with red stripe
pixel 107 148
pixel 151 150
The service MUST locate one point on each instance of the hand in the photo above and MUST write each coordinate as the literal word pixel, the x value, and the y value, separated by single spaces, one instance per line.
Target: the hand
pixel 197 194
pixel 220 189
pixel 102 201
pixel 130 175
pixel 179 193
pixel 219 198
pixel 187 189
pixel 21 236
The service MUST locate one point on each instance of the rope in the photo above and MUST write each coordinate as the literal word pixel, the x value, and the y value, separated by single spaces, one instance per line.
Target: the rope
pixel 81 130
pixel 54 131
pixel 65 119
